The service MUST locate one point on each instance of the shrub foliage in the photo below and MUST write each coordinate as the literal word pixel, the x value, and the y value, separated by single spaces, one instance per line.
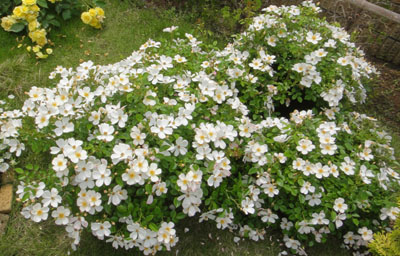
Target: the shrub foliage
pixel 182 129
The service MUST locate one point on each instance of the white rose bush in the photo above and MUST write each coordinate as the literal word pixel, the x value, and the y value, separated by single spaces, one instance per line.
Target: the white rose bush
pixel 181 129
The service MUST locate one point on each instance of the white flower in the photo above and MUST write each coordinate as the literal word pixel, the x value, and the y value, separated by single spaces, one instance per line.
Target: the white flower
pixel 268 216
pixel 321 170
pixel 59 163
pixel 304 227
pixel 61 215
pixel 392 213
pixel 365 233
pixel 291 243
pixel 184 181
pixel 95 117
pixel 319 219
pixel 166 232
pixel 106 132
pixel 247 206
pixel 132 176
pixel 154 172
pixel 306 188
pixel 286 225
pixel 180 59
pixel 170 29
pixel 339 220
pixel 340 206
pixel 298 164
pixel 350 238
pixel 102 175
pixel 117 195
pixel 366 154
pixel 180 147
pixel 270 190
pixel 314 199
pixel 63 126
pixel 101 229
pixel 313 38
pixel 347 168
pixel 305 146
pixel 121 152
pixel 162 128
pixel 51 198
pixel 223 222
pixel 39 213
pixel 281 157
pixel 137 136
pixel 328 149
pixel 137 232
pixel 160 188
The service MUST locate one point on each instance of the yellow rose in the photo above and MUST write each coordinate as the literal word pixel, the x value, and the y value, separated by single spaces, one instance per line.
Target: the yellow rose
pixel 92 12
pixel 7 22
pixel 38 36
pixel 25 9
pixel 28 48
pixel 52 1
pixel 86 17
pixel 33 25
pixel 95 23
pixel 30 18
pixel 18 12
pixel 49 51
pixel 28 2
pixel 99 11
pixel 34 8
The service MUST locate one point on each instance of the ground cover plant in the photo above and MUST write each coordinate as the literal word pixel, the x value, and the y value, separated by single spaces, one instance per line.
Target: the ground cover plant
pixel 182 128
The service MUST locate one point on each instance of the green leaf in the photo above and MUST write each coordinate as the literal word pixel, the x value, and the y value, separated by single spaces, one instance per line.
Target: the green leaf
pixel 119 181
pixel 26 197
pixel 19 170
pixel 148 218
pixel 107 209
pixel 153 227
pixel 122 209
pixel 29 167
pixel 331 226
pixel 253 170
pixel 180 216
pixel 66 14
pixel 130 207
pixel 42 3
pixel 148 188
pixel 177 203
pixel 17 27
pixel 355 221
pixel 164 148
pixel 55 23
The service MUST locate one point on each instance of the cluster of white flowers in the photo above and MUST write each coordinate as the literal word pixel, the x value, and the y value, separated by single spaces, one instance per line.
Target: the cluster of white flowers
pixel 133 141
pixel 10 123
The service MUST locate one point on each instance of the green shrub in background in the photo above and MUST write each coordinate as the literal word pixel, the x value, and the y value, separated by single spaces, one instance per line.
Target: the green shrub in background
pixel 388 243
pixel 182 129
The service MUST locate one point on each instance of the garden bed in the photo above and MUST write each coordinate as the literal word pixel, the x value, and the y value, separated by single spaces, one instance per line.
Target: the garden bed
pixel 224 247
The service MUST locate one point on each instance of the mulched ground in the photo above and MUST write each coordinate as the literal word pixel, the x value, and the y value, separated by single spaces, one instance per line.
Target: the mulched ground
pixel 384 100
